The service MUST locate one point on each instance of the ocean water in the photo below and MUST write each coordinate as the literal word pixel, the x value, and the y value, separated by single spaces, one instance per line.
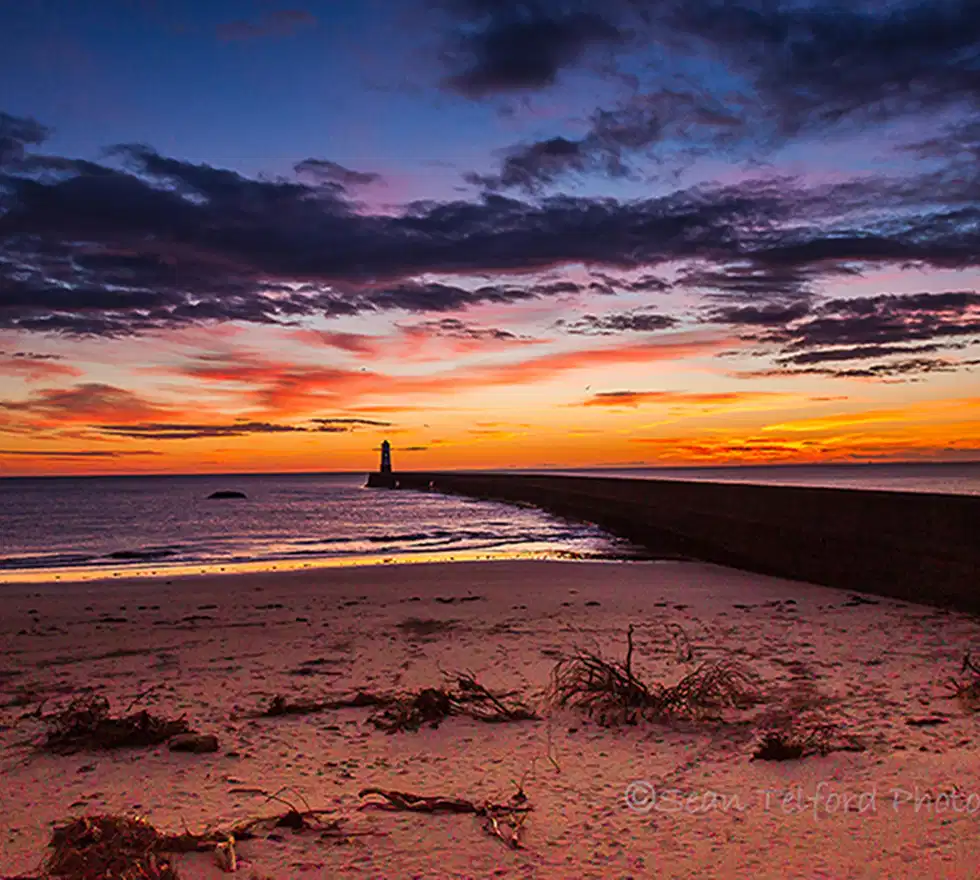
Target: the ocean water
pixel 69 524
pixel 947 478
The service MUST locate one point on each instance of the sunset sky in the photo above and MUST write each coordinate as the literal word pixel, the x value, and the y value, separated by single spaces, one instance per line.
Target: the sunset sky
pixel 242 236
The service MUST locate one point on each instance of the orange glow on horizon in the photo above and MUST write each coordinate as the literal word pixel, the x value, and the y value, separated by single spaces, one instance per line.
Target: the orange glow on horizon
pixel 325 404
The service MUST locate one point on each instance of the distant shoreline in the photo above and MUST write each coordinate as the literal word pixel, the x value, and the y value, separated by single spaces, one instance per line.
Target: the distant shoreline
pixel 94 574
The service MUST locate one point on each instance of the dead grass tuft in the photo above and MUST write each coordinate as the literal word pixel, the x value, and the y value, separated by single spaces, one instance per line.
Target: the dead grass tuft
pixel 967 690
pixel 433 705
pixel 796 741
pixel 614 694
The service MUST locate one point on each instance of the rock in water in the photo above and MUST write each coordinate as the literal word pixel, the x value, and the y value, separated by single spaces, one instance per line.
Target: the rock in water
pixel 227 494
pixel 194 742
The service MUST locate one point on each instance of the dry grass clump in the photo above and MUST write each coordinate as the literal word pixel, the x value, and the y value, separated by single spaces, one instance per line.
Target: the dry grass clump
pixel 474 700
pixel 108 848
pixel 409 712
pixel 795 741
pixel 798 727
pixel 613 693
pixel 433 705
pixel 967 691
pixel 88 725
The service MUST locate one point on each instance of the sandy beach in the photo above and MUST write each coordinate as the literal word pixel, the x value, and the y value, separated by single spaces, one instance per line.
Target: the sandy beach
pixel 218 648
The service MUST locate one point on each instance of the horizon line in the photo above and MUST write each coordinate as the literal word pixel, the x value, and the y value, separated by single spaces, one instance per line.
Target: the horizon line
pixel 608 467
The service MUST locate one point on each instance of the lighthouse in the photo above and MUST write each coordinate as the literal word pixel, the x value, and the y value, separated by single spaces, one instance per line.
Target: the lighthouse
pixel 385 457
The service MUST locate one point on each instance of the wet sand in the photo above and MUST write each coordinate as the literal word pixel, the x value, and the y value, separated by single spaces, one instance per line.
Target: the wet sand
pixel 218 648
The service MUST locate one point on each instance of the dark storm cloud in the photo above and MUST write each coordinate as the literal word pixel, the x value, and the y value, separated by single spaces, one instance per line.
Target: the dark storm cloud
pixel 887 318
pixel 862 328
pixel 434 297
pixel 143 242
pixel 907 370
pixel 650 125
pixel 608 284
pixel 16 133
pixel 767 71
pixel 862 352
pixel 508 47
pixel 624 322
pixel 756 279
pixel 765 315
pixel 158 243
pixel 454 328
pixel 822 63
pixel 535 165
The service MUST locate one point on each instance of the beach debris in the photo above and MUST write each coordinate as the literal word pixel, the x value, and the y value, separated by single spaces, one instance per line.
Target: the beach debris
pixel 968 691
pixel 501 820
pixel 116 847
pixel 198 743
pixel 611 691
pixel 428 706
pixel 225 494
pixel 225 855
pixel 795 741
pixel 87 725
pixel 433 705
pixel 109 848
pixel 410 711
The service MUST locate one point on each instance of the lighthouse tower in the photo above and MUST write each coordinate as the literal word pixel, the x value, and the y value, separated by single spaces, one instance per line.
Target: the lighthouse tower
pixel 385 457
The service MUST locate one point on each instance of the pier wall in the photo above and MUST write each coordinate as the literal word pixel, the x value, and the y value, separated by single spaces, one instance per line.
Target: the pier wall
pixel 908 545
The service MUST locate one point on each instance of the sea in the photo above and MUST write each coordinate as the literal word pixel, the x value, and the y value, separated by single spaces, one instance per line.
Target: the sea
pixel 80 527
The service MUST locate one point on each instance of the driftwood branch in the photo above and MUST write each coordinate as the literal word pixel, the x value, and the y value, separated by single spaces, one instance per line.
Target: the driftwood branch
pixel 409 711
pixel 501 820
